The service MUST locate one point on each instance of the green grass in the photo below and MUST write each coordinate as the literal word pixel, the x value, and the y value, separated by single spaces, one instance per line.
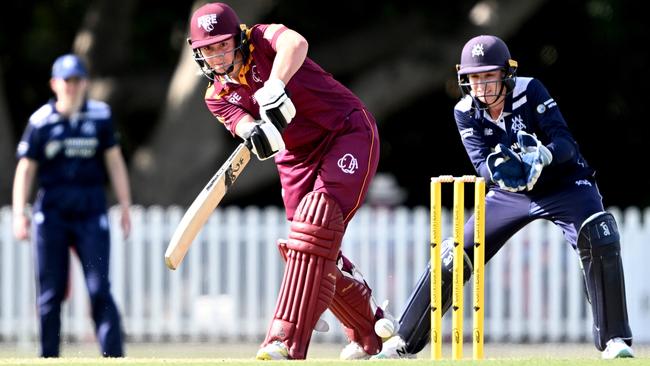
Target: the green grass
pixel 213 353
pixel 322 362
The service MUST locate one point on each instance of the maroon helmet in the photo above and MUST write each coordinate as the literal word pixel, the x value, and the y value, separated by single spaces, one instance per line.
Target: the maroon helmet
pixel 212 23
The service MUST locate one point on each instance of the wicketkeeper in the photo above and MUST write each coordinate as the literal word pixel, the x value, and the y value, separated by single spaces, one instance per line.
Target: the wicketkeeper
pixel 518 141
pixel 264 89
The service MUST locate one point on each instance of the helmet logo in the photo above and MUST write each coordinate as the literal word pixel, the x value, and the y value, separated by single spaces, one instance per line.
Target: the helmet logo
pixel 207 21
pixel 477 50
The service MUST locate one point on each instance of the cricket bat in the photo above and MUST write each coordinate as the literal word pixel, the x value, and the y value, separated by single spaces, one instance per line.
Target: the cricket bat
pixel 204 204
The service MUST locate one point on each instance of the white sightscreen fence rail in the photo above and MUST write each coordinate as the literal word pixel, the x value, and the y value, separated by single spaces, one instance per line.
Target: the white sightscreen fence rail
pixel 226 287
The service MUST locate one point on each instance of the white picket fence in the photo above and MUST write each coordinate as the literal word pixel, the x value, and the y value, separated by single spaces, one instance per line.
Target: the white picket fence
pixel 227 286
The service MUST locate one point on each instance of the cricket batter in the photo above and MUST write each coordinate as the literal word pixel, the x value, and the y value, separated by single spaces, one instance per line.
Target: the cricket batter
pixel 519 142
pixel 69 145
pixel 264 89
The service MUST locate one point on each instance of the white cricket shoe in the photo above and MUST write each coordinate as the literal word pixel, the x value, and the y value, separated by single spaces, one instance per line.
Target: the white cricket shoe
pixel 617 348
pixel 393 348
pixel 353 351
pixel 275 350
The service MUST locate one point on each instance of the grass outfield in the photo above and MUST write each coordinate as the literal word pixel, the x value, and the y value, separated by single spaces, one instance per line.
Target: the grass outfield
pixel 177 354
pixel 419 362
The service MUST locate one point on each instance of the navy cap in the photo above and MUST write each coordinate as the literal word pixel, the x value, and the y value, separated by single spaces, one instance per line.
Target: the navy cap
pixel 68 66
pixel 483 53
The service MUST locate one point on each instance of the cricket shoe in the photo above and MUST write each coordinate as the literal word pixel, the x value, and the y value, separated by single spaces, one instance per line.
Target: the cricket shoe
pixel 275 350
pixel 353 351
pixel 393 348
pixel 617 348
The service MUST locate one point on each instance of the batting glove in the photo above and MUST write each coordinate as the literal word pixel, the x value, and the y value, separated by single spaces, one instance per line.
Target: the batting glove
pixel 275 105
pixel 534 156
pixel 506 169
pixel 265 140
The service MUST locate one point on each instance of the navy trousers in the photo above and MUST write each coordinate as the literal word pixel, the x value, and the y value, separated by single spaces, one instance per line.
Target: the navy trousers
pixel 88 236
pixel 507 213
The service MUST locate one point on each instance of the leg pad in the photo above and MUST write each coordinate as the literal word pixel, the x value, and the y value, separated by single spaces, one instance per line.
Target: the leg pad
pixel 310 274
pixel 354 307
pixel 600 253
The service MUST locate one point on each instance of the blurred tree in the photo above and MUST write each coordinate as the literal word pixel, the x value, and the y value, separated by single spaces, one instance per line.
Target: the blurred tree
pixel 397 56
pixel 188 144
pixel 6 144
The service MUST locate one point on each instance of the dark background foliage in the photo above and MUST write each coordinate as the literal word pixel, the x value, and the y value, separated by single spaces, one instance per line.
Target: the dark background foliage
pixel 588 54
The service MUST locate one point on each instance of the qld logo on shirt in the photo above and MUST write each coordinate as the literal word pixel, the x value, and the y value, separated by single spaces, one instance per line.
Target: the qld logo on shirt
pixel 348 164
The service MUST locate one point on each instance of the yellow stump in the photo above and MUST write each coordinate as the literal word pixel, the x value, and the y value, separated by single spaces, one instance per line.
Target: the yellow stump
pixel 436 238
pixel 457 278
pixel 458 264
pixel 479 268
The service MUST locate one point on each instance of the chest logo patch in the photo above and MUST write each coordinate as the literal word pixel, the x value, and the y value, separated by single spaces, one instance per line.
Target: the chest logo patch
pixel 517 124
pixel 255 75
pixel 88 129
pixel 52 148
pixel 348 164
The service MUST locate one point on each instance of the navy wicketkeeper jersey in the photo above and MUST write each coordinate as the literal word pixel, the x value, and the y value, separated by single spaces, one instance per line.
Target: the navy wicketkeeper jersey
pixel 528 107
pixel 70 155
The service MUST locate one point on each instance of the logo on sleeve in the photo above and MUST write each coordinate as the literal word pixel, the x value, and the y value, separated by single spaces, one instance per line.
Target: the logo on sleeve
pixel 348 164
pixel 465 133
pixel 207 21
pixel 23 146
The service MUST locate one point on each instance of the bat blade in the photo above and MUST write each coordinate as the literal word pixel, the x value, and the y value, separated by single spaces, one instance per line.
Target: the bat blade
pixel 204 204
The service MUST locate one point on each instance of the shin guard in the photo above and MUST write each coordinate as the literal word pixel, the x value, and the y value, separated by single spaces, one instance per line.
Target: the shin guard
pixel 600 253
pixel 415 320
pixel 354 307
pixel 310 272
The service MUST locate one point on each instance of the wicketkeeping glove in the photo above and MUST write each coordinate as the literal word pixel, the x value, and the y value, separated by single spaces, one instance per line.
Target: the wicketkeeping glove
pixel 534 155
pixel 275 105
pixel 506 169
pixel 265 140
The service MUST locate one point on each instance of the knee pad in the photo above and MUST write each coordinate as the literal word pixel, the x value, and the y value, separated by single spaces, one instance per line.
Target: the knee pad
pixel 310 273
pixel 354 307
pixel 600 254
pixel 415 320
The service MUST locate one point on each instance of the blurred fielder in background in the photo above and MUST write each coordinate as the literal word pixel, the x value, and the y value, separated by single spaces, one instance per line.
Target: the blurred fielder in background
pixel 325 144
pixel 69 145
pixel 518 141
